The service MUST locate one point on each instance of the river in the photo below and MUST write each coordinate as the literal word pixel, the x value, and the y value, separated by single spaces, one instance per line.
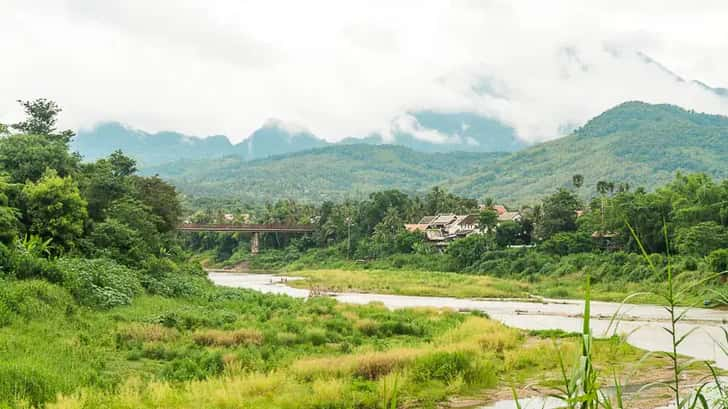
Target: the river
pixel 642 325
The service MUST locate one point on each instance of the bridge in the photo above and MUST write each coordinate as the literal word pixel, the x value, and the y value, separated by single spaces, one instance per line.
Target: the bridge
pixel 256 229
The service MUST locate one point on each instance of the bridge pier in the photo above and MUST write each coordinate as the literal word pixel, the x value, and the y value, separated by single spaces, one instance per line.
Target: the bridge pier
pixel 255 243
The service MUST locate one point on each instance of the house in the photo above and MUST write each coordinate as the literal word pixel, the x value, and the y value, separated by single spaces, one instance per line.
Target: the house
pixel 441 221
pixel 228 217
pixel 440 229
pixel 509 217
pixel 415 227
pixel 463 225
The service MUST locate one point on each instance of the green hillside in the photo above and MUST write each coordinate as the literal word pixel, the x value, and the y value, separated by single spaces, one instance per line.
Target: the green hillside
pixel 331 173
pixel 636 143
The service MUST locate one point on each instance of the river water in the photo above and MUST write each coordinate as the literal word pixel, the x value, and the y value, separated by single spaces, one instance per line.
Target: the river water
pixel 643 325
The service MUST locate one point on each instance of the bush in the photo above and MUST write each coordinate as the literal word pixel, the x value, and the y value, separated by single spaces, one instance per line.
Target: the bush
pixel 26 266
pixel 317 336
pixel 447 366
pixel 718 260
pixel 194 365
pixel 100 283
pixel 32 299
pixel 243 336
pixel 567 243
pixel 18 383
pixel 163 277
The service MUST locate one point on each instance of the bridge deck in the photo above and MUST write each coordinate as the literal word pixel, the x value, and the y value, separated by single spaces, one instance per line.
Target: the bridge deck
pixel 250 228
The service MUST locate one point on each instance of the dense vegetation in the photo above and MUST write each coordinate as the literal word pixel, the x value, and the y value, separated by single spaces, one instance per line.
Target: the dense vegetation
pixel 332 173
pixel 635 143
pixel 572 238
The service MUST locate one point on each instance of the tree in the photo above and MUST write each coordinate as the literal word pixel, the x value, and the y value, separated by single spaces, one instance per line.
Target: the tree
pixel 161 197
pixel 26 157
pixel 602 187
pixel 386 232
pixel 701 239
pixel 488 220
pixel 55 209
pixel 577 180
pixel 559 213
pixel 101 186
pixel 121 164
pixel 41 119
pixel 8 215
pixel 509 233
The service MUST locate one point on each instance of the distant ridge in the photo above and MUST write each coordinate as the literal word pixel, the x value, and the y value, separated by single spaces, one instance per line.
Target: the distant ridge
pixel 455 132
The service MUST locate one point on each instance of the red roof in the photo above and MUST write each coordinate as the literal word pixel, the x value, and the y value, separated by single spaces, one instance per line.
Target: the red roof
pixel 500 209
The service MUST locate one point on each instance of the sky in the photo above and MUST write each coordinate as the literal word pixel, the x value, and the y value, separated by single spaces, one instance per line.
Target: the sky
pixel 353 68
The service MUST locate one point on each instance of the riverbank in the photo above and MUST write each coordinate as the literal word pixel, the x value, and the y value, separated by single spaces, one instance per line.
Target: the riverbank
pixel 550 318
pixel 444 284
pixel 642 324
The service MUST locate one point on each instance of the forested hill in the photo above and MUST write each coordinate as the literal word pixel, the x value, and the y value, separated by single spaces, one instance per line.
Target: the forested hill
pixel 331 173
pixel 636 143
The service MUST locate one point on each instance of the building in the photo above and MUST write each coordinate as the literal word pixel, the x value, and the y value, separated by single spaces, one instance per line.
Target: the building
pixel 509 217
pixel 441 229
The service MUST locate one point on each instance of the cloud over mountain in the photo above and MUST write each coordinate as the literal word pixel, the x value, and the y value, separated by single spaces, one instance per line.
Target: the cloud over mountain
pixel 344 69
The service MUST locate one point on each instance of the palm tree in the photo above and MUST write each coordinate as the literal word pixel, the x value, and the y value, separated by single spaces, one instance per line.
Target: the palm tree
pixel 577 180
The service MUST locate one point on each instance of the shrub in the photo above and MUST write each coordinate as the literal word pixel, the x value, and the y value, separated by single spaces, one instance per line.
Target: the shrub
pixel 164 277
pixel 316 336
pixel 138 332
pixel 447 366
pixel 718 260
pixel 32 299
pixel 100 283
pixel 567 243
pixel 243 336
pixel 26 265
pixel 196 364
pixel 18 383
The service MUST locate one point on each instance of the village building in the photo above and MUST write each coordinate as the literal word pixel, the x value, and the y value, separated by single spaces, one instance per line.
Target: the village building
pixel 440 229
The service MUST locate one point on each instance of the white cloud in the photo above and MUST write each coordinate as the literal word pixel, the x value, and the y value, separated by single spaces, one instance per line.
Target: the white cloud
pixel 408 124
pixel 352 68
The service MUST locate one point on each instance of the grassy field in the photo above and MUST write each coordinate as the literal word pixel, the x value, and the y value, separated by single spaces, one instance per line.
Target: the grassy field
pixel 430 283
pixel 403 282
pixel 230 348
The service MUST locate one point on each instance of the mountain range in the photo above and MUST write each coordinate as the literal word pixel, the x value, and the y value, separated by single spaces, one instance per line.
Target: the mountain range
pixel 637 143
pixel 424 131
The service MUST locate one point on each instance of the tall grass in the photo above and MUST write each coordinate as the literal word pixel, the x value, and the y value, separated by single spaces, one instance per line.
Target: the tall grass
pixel 580 388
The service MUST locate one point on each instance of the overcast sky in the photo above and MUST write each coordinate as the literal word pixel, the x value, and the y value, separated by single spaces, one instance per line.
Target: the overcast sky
pixel 345 68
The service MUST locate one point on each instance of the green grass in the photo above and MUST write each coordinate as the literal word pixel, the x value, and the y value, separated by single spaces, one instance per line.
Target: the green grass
pixel 235 348
pixel 403 282
pixel 443 284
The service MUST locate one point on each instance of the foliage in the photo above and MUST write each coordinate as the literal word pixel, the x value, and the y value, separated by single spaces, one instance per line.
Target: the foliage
pixel 41 120
pixel 99 283
pixel 26 157
pixel 564 243
pixel 55 209
pixel 559 213
pixel 334 173
pixel 701 238
pixel 469 250
pixel 718 260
